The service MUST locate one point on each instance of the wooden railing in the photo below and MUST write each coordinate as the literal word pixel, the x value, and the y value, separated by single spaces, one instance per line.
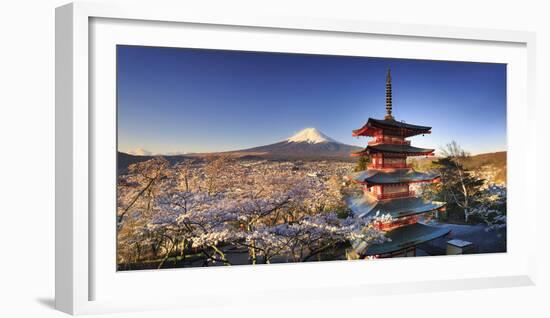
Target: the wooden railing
pixel 395 195
pixel 395 223
pixel 389 166
pixel 377 141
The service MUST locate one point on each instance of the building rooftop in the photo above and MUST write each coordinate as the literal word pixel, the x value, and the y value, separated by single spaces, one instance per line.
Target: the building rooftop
pixel 401 238
pixel 459 243
pixel 367 206
pixel 375 176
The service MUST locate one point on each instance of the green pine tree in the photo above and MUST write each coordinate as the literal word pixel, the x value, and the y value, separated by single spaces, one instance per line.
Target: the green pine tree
pixel 362 163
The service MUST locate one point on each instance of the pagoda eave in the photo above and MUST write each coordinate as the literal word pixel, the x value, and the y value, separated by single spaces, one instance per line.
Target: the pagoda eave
pixel 361 153
pixel 401 238
pixel 393 176
pixel 375 126
pixel 368 206
pixel 373 183
pixel 365 131
pixel 394 149
pixel 399 149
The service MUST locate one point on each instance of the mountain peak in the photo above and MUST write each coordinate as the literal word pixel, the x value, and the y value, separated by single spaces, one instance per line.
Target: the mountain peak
pixel 310 135
pixel 140 152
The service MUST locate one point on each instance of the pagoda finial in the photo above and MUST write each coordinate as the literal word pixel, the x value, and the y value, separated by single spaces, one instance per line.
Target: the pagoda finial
pixel 388 97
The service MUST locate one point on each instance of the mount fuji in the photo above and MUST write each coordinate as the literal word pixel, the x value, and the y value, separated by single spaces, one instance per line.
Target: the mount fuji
pixel 310 135
pixel 308 143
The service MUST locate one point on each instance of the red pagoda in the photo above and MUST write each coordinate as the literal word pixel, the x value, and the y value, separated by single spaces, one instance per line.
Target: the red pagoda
pixel 388 186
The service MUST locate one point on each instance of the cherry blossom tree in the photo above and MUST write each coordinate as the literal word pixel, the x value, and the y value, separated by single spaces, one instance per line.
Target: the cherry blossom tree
pixel 211 206
pixel 136 192
pixel 491 208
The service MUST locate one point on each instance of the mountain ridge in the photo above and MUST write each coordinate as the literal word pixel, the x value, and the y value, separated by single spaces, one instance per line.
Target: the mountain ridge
pixel 307 144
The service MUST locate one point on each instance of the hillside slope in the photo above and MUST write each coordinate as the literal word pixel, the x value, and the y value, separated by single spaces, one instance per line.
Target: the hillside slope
pixel 490 166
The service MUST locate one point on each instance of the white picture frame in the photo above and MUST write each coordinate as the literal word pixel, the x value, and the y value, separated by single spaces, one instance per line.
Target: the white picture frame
pixel 77 159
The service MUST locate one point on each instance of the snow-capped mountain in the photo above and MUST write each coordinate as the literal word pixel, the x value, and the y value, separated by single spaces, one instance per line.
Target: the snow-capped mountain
pixel 308 143
pixel 310 135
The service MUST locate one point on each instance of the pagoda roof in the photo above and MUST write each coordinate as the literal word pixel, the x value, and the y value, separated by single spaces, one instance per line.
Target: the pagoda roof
pixel 376 176
pixel 401 238
pixel 394 148
pixel 369 206
pixel 398 127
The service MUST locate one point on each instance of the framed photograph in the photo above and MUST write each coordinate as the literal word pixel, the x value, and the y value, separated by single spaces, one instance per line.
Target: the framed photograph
pixel 265 156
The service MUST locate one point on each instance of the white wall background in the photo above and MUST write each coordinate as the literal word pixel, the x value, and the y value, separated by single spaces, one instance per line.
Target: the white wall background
pixel 27 158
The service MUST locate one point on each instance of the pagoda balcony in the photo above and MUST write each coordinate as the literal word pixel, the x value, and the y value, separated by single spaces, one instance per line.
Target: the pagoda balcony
pixel 390 166
pixel 384 196
pixel 395 223
pixel 380 140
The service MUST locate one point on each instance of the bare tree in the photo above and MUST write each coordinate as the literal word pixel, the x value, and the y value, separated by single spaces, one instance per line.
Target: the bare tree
pixel 458 187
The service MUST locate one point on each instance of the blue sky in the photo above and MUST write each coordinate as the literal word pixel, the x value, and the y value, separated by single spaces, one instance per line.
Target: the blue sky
pixel 173 100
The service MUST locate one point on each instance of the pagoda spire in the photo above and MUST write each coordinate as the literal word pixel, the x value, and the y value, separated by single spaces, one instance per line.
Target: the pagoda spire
pixel 388 97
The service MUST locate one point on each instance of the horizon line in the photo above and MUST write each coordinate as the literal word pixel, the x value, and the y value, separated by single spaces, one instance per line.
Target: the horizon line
pixel 173 154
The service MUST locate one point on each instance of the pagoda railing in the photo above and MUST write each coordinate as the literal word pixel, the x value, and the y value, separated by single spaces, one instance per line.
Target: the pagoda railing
pixel 395 195
pixel 395 223
pixel 389 166
pixel 377 141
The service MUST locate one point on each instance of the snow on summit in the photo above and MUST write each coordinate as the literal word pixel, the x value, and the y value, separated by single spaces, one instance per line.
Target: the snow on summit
pixel 310 135
pixel 140 152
